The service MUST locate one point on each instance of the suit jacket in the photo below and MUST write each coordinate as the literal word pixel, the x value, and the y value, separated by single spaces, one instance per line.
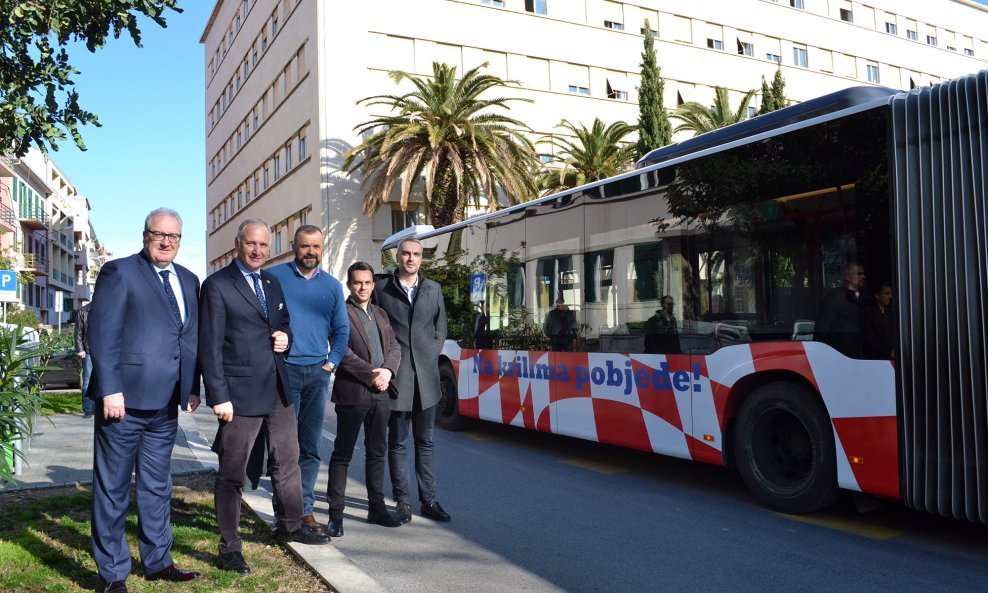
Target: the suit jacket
pixel 235 350
pixel 137 345
pixel 354 376
pixel 420 329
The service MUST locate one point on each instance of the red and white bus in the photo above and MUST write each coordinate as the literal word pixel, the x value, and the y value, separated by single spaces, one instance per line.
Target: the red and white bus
pixel 738 236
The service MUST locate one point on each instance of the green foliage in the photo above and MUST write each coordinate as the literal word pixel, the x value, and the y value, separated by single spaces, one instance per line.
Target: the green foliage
pixel 654 128
pixel 596 153
pixel 773 97
pixel 701 119
pixel 51 343
pixel 445 132
pixel 20 397
pixel 18 315
pixel 38 101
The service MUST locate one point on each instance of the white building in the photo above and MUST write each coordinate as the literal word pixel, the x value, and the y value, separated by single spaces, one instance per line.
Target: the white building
pixel 283 77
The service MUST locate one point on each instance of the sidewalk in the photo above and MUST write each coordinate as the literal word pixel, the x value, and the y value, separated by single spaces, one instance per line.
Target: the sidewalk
pixel 61 454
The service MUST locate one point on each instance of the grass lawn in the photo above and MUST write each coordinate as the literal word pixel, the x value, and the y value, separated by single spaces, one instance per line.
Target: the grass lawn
pixel 61 403
pixel 45 545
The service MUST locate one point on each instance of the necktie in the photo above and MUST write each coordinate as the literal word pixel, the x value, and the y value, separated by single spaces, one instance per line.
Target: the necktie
pixel 171 295
pixel 260 292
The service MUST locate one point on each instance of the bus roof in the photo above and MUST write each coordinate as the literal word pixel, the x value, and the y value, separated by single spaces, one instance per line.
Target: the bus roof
pixel 838 101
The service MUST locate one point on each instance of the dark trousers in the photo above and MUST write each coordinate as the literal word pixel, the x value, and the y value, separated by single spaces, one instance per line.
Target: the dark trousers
pixel 88 405
pixel 141 443
pixel 372 414
pixel 235 440
pixel 422 423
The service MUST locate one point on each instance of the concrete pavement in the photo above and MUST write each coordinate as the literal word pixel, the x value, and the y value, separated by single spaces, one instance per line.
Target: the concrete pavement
pixel 60 453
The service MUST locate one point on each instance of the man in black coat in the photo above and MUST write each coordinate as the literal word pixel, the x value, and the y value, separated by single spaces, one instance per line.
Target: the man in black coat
pixel 839 321
pixel 879 328
pixel 361 394
pixel 418 316
pixel 243 337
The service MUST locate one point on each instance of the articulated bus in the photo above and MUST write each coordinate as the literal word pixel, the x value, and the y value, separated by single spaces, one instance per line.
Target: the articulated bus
pixel 735 239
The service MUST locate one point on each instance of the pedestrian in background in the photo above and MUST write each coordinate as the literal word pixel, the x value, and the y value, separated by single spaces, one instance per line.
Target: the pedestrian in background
pixel 415 309
pixel 361 392
pixel 142 338
pixel 82 351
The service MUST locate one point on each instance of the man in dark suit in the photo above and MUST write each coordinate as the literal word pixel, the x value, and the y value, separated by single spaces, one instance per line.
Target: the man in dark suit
pixel 418 316
pixel 142 341
pixel 243 338
pixel 360 393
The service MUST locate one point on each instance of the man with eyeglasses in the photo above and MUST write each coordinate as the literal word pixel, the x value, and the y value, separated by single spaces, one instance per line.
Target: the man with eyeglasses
pixel 142 339
pixel 243 340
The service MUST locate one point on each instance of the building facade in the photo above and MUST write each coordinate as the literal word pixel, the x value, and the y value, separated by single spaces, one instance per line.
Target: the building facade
pixel 283 78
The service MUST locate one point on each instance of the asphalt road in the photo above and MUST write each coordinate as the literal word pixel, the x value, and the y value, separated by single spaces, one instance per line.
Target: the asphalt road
pixel 536 512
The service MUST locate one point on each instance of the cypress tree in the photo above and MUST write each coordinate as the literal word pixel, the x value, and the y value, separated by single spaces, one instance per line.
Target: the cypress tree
pixel 778 89
pixel 767 103
pixel 654 129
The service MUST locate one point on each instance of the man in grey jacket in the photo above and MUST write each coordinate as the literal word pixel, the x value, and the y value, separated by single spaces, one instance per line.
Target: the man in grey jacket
pixel 414 305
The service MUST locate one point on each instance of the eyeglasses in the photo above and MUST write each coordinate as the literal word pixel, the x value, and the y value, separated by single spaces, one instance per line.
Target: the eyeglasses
pixel 159 236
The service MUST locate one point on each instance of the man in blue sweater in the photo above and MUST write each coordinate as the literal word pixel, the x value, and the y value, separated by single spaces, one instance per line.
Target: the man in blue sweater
pixel 318 319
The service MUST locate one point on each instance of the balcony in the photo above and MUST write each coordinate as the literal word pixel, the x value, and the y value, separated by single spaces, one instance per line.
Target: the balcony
pixel 32 262
pixel 33 218
pixel 8 223
pixel 84 292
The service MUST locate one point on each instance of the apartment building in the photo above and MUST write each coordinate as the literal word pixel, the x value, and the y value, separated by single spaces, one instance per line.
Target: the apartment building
pixel 283 76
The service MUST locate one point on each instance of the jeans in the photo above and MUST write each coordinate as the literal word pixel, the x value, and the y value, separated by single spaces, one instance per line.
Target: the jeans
pixel 372 414
pixel 309 385
pixel 88 405
pixel 423 424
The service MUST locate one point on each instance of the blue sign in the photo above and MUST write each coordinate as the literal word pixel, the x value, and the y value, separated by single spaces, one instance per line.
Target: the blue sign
pixel 8 286
pixel 478 284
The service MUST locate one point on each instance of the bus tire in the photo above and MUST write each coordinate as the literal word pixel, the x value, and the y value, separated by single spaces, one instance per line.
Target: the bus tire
pixel 448 411
pixel 784 447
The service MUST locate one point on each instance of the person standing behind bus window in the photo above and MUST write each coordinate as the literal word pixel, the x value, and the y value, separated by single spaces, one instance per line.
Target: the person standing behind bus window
pixel 879 329
pixel 415 307
pixel 560 327
pixel 661 330
pixel 839 321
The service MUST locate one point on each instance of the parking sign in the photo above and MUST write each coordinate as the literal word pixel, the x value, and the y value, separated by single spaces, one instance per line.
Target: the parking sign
pixel 8 286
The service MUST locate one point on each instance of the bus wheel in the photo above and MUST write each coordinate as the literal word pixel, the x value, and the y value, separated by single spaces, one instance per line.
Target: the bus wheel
pixel 448 414
pixel 784 446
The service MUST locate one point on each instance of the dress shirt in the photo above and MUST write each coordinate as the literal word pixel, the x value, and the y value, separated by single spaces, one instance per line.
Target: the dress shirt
pixel 176 286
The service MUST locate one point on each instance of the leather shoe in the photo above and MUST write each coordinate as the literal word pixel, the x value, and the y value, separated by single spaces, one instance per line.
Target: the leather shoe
pixel 116 587
pixel 234 561
pixel 435 512
pixel 304 535
pixel 403 511
pixel 383 517
pixel 313 524
pixel 172 573
pixel 335 527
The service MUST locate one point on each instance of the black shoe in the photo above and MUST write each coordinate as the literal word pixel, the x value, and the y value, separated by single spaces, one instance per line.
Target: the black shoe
pixel 403 512
pixel 234 562
pixel 173 574
pixel 435 512
pixel 116 587
pixel 384 518
pixel 335 527
pixel 87 414
pixel 304 535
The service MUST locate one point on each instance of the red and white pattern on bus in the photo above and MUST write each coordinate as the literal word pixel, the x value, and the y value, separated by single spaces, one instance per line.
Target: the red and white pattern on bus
pixel 679 405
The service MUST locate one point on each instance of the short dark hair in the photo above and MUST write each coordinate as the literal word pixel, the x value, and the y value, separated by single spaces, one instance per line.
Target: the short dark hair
pixel 359 266
pixel 878 287
pixel 306 229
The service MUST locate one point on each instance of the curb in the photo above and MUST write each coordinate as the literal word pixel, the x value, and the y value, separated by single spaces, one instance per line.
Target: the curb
pixel 332 567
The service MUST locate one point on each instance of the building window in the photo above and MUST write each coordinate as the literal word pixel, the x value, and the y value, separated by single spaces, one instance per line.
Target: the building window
pixel 277 241
pixel 891 29
pixel 277 167
pixel 254 59
pixel 613 93
pixel 614 25
pixel 931 40
pixel 238 139
pixel 872 73
pixel 580 90
pixel 274 23
pixel 238 21
pixel 301 147
pixel 796 4
pixel 247 192
pixel 288 156
pixel 303 218
pixel 498 3
pixel 715 44
pixel 951 48
pixel 745 49
pixel 265 177
pixel 264 42
pixel 257 189
pixel 401 220
pixel 774 58
pixel 968 52
pixel 654 32
pixel 846 15
pixel 911 35
pixel 536 6
pixel 247 128
pixel 752 111
pixel 240 199
pixel 255 119
pixel 799 57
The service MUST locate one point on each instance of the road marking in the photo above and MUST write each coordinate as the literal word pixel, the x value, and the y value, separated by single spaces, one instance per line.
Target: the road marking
pixel 595 466
pixel 848 526
pixel 479 436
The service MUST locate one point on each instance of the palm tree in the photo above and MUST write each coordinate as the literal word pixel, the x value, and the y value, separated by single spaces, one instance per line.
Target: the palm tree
pixel 596 153
pixel 701 119
pixel 444 132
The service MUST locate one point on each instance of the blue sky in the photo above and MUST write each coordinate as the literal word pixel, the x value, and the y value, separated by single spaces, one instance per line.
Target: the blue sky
pixel 150 150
